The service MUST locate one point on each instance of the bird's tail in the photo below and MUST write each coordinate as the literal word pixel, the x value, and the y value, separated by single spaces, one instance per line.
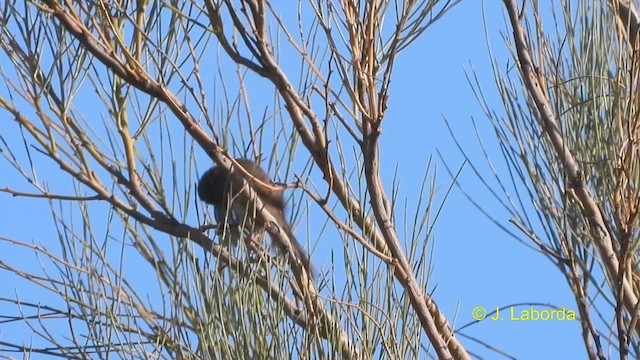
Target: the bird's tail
pixel 303 256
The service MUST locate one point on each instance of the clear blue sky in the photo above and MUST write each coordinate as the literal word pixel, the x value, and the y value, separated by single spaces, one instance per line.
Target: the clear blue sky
pixel 475 263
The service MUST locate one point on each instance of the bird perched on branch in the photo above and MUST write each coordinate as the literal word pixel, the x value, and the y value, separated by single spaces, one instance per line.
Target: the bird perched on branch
pixel 232 206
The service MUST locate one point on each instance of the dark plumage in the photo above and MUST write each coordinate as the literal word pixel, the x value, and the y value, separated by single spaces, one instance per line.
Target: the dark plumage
pixel 224 191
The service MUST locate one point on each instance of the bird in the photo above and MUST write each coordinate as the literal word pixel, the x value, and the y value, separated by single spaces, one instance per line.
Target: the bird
pixel 224 190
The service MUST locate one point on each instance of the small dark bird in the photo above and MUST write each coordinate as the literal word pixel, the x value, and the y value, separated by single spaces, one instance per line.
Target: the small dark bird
pixel 231 205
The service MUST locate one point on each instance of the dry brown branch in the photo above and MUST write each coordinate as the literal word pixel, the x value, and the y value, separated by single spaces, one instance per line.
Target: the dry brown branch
pixel 577 188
